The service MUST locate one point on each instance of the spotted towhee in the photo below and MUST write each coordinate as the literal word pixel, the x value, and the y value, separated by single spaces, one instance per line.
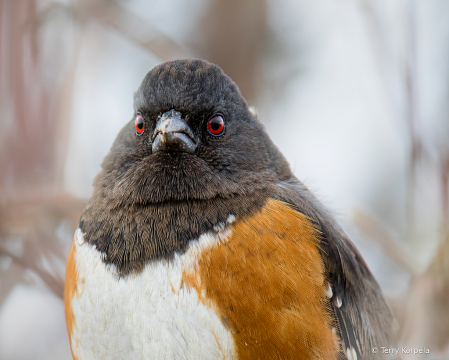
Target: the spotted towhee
pixel 200 243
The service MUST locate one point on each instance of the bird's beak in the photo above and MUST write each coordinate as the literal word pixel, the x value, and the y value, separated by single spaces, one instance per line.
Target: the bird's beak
pixel 173 134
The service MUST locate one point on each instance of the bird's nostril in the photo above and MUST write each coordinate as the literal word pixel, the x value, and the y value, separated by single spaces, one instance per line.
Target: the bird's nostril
pixel 172 133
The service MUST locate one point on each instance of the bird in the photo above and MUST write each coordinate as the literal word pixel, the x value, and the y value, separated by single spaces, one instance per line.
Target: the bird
pixel 200 243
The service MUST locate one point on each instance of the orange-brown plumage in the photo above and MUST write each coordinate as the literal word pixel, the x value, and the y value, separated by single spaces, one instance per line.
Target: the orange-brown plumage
pixel 70 288
pixel 266 282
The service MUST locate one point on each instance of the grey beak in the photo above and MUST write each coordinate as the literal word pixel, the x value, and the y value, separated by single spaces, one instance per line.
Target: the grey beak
pixel 173 134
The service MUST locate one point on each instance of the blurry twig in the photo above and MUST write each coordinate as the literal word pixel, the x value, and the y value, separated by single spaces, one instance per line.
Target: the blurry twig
pixel 43 226
pixel 425 308
pixel 373 229
pixel 426 313
pixel 135 28
pixel 234 35
pixel 54 282
pixel 402 71
pixel 444 178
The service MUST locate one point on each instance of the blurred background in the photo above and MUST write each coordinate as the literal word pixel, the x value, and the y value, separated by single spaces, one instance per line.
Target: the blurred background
pixel 354 92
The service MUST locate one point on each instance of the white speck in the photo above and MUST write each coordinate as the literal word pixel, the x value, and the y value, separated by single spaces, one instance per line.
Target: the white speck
pixel 246 344
pixel 338 301
pixel 220 226
pixel 231 219
pixel 79 236
pixel 328 291
pixel 253 111
pixel 351 354
pixel 336 339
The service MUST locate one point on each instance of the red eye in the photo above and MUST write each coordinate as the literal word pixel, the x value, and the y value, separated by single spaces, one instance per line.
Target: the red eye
pixel 216 125
pixel 139 124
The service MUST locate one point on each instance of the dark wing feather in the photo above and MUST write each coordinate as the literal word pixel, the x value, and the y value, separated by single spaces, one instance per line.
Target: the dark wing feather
pixel 364 319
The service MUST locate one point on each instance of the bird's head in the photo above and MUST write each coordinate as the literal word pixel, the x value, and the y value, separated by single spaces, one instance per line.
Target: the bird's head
pixel 191 136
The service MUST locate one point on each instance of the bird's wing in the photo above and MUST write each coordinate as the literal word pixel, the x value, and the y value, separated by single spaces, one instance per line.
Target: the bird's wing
pixel 363 317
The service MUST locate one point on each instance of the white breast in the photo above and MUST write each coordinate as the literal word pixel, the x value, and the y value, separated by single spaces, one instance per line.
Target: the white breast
pixel 150 315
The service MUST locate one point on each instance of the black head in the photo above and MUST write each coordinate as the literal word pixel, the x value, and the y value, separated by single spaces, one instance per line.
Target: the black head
pixel 191 137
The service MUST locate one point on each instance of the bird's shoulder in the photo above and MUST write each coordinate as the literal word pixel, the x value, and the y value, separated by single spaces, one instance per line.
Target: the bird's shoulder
pixel 364 320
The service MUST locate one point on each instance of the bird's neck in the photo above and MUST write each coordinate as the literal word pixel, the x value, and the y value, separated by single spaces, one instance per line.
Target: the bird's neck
pixel 130 237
